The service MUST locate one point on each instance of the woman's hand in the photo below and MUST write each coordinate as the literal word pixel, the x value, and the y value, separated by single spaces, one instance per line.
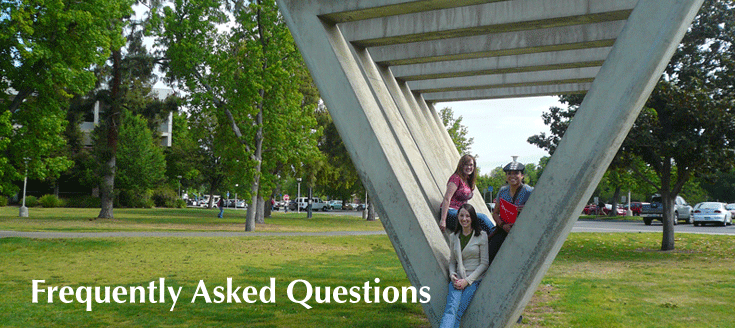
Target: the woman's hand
pixel 460 284
pixel 443 225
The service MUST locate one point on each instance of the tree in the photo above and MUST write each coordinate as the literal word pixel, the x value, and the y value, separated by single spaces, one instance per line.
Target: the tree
pixel 125 84
pixel 687 127
pixel 183 158
pixel 720 186
pixel 141 164
pixel 338 175
pixel 47 50
pixel 457 131
pixel 249 76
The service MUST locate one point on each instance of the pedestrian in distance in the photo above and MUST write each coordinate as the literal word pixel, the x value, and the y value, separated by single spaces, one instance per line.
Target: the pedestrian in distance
pixel 468 261
pixel 221 205
pixel 460 189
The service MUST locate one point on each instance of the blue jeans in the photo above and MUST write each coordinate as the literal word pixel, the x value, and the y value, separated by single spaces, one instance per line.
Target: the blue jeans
pixel 485 223
pixel 457 303
pixel 221 211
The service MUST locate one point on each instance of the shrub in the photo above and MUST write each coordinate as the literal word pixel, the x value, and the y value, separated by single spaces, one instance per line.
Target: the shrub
pixel 165 197
pixel 83 202
pixel 31 201
pixel 136 199
pixel 3 201
pixel 50 201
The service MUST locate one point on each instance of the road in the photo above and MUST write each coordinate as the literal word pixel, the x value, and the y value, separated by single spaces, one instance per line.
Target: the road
pixel 638 226
pixel 579 226
pixel 620 226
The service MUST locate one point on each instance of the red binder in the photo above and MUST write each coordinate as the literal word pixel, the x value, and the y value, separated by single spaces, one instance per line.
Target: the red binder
pixel 508 211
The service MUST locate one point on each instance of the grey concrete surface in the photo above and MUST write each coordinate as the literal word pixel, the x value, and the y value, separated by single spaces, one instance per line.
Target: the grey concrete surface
pixel 381 65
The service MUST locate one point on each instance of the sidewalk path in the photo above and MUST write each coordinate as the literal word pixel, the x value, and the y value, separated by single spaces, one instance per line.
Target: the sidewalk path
pixel 48 234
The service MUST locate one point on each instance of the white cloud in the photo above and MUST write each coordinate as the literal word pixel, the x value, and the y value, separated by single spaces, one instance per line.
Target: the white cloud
pixel 501 127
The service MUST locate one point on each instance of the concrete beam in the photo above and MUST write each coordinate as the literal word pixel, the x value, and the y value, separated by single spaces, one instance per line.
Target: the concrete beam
pixel 593 57
pixel 378 143
pixel 566 76
pixel 339 11
pixel 489 18
pixel 625 81
pixel 510 92
pixel 502 44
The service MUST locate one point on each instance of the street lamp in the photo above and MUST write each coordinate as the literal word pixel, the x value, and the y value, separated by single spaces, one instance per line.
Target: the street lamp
pixel 298 195
pixel 23 209
pixel 179 177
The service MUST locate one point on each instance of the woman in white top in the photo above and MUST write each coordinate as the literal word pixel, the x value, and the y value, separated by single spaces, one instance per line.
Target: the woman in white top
pixel 468 261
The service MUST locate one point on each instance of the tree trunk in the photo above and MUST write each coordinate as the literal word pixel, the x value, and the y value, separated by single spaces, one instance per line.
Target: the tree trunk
pixel 267 208
pixel 667 202
pixel 107 189
pixel 616 196
pixel 258 157
pixel 371 210
pixel 259 215
pixel 113 120
pixel 252 205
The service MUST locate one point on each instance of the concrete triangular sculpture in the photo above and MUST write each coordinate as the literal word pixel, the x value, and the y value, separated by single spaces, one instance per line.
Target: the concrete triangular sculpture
pixel 381 65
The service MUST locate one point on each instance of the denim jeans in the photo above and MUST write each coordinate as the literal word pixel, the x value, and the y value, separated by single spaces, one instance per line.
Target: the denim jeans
pixel 221 211
pixel 457 303
pixel 485 223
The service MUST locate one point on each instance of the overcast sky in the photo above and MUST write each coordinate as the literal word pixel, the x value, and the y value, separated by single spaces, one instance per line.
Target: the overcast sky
pixel 501 127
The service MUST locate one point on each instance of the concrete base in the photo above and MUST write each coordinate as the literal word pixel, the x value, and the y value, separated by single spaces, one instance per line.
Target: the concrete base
pixel 23 212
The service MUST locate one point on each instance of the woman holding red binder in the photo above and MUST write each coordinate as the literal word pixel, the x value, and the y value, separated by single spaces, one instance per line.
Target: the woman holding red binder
pixel 509 202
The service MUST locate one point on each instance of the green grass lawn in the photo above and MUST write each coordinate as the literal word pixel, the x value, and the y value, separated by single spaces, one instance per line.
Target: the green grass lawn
pixel 177 219
pixel 597 280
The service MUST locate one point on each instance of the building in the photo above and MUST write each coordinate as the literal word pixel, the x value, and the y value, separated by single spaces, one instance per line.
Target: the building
pixel 165 129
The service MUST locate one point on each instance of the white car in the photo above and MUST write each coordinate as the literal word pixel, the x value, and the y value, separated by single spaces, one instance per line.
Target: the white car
pixel 316 204
pixel 712 212
pixel 335 204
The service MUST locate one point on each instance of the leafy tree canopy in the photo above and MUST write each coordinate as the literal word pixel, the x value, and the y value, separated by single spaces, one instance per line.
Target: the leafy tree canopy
pixel 47 52
pixel 686 128
pixel 457 131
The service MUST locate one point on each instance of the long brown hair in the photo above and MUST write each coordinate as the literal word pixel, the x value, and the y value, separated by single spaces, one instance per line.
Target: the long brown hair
pixel 469 179
pixel 475 224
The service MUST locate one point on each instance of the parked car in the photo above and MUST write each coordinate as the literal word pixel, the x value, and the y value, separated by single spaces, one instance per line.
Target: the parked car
pixel 204 201
pixel 490 206
pixel 316 204
pixel 654 210
pixel 635 207
pixel 731 208
pixel 589 209
pixel 335 205
pixel 712 212
pixel 619 211
pixel 240 203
